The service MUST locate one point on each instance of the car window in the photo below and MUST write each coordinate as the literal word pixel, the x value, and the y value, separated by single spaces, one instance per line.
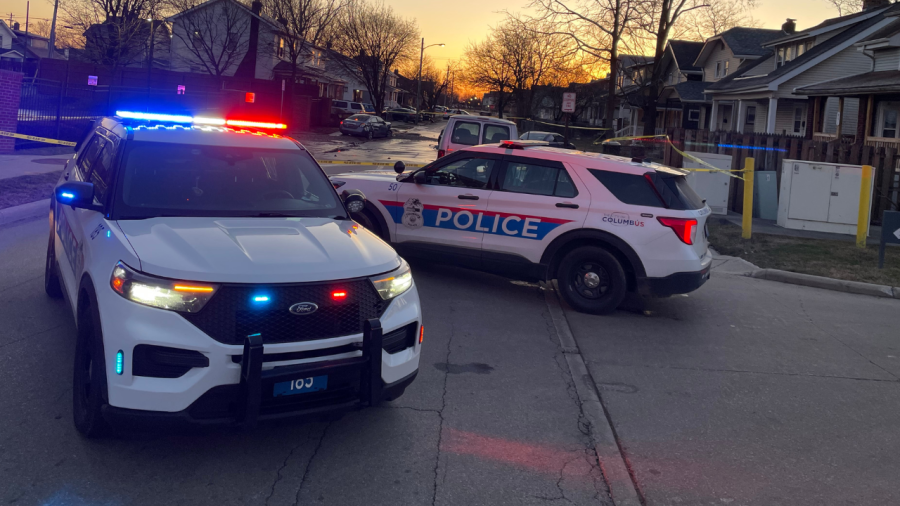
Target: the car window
pixel 86 160
pixel 338 103
pixel 631 189
pixel 100 171
pixel 198 180
pixel 495 133
pixel 535 180
pixel 557 138
pixel 465 133
pixel 360 117
pixel 564 186
pixel 466 172
pixel 356 107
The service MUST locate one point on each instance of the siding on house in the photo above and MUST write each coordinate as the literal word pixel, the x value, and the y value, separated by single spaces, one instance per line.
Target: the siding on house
pixel 721 53
pixel 845 63
pixel 763 68
pixel 888 59
pixel 851 112
pixel 784 116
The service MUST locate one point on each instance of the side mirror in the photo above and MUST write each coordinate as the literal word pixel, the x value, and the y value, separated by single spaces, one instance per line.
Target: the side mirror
pixel 399 167
pixel 354 201
pixel 419 177
pixel 76 194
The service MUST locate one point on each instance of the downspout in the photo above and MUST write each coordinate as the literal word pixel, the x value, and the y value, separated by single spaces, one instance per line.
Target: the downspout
pixel 871 56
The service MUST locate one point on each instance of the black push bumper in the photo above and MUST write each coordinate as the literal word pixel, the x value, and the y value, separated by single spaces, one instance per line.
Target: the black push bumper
pixel 680 282
pixel 353 383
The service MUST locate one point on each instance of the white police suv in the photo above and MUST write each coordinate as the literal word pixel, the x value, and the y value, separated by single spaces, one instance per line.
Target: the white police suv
pixel 216 276
pixel 601 225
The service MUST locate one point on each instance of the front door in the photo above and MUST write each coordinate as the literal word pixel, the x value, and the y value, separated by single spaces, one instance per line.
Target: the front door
pixel 535 202
pixel 443 217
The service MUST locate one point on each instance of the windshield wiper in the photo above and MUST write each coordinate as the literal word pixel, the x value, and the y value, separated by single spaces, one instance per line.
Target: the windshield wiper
pixel 276 215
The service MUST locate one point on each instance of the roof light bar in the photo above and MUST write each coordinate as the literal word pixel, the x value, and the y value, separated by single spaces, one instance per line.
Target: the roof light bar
pixel 198 120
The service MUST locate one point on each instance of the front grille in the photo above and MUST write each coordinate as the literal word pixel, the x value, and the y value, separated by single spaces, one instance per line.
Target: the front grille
pixel 232 314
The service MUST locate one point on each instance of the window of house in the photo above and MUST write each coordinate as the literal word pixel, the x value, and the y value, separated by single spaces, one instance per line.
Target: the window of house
pixel 887 123
pixel 280 51
pixel 718 69
pixel 750 121
pixel 801 48
pixel 316 57
pixel 694 115
pixel 725 69
pixel 197 39
pixel 798 120
pixel 1 41
pixel 779 58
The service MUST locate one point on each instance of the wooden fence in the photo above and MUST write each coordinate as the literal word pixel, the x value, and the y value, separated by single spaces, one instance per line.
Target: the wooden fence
pixel 770 151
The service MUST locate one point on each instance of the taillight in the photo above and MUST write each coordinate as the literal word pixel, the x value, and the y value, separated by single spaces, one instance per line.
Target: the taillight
pixel 684 228
pixel 342 122
pixel 441 153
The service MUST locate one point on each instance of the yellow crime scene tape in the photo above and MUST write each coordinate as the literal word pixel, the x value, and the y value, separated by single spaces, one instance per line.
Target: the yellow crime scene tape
pixel 38 139
pixel 555 124
pixel 386 164
pixel 710 168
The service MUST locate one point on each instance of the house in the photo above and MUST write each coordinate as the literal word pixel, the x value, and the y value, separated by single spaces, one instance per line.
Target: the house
pixel 731 53
pixel 226 38
pixel 877 92
pixel 313 69
pixel 681 97
pixel 21 51
pixel 122 43
pixel 759 96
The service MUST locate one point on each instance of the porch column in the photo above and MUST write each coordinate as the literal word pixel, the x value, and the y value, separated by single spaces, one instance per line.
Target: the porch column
pixel 770 115
pixel 741 117
pixel 840 118
pixel 861 119
pixel 810 117
pixel 713 114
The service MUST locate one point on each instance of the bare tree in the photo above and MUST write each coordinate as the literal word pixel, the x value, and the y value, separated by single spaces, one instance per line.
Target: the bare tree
pixel 213 38
pixel 486 68
pixel 597 27
pixel 719 16
pixel 373 39
pixel 115 31
pixel 306 23
pixel 845 7
pixel 435 79
pixel 66 36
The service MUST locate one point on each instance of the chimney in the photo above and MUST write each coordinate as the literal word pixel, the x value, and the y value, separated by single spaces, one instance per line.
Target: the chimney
pixel 789 26
pixel 256 7
pixel 16 25
pixel 875 4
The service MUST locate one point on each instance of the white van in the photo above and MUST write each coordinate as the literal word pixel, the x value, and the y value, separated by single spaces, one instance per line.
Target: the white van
pixel 464 131
pixel 343 107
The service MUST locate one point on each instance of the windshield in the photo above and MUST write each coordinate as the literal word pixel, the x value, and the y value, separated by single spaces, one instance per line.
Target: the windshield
pixel 187 180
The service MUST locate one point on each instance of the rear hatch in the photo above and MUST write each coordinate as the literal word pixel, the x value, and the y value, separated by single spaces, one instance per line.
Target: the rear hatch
pixel 683 202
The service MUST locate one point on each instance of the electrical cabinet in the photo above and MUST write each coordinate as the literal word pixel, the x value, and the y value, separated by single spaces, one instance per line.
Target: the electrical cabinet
pixel 819 196
pixel 711 186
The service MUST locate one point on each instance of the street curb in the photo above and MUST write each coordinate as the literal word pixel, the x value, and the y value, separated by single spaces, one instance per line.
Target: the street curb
pixel 622 488
pixel 838 285
pixel 24 212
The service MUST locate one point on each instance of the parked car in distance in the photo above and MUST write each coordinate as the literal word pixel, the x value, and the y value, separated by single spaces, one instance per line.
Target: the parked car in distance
pixel 366 125
pixel 400 114
pixel 467 130
pixel 451 112
pixel 555 140
pixel 343 107
pixel 369 107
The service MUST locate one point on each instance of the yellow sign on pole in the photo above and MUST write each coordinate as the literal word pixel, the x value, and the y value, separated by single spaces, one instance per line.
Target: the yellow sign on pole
pixel 865 203
pixel 747 221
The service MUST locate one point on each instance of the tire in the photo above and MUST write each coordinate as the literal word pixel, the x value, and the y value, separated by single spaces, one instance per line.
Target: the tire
pixel 51 278
pixel 390 133
pixel 89 381
pixel 370 135
pixel 368 221
pixel 344 133
pixel 584 266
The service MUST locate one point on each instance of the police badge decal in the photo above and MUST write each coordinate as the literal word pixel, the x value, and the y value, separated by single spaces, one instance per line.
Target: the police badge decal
pixel 412 213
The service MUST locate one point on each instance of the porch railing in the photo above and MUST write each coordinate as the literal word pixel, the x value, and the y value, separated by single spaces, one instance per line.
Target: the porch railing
pixel 882 142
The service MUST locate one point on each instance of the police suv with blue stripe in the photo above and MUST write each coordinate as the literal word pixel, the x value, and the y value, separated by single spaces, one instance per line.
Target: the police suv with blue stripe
pixel 601 225
pixel 216 277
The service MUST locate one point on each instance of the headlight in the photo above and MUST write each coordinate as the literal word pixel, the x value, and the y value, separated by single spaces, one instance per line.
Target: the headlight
pixel 183 296
pixel 394 283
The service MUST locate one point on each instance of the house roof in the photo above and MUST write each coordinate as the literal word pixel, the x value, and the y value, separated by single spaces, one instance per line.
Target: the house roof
pixel 887 81
pixel 630 60
pixel 827 26
pixel 744 43
pixel 685 53
pixel 197 7
pixel 738 81
pixel 691 91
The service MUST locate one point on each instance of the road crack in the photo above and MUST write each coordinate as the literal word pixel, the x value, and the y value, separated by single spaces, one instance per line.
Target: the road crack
pixel 440 412
pixel 309 463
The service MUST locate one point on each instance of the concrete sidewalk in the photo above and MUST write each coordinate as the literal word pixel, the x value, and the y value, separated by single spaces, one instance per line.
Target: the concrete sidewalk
pixel 22 165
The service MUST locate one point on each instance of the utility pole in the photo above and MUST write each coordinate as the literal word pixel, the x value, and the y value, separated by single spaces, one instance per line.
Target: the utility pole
pixel 150 59
pixel 419 78
pixel 53 29
pixel 447 89
pixel 27 10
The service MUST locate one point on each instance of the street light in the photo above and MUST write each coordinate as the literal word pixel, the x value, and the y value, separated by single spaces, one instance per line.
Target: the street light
pixel 419 78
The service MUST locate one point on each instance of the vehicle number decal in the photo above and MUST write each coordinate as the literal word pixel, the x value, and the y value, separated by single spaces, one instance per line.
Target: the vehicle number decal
pixel 393 187
pixel 414 214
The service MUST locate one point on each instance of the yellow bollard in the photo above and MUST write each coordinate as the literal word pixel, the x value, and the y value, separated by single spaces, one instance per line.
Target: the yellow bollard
pixel 865 203
pixel 747 222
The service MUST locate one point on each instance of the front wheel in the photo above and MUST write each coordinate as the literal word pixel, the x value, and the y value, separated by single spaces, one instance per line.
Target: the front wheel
pixel 370 135
pixel 592 280
pixel 390 133
pixel 51 279
pixel 89 382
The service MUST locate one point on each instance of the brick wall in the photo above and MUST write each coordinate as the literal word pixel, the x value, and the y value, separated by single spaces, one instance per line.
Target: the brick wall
pixel 10 91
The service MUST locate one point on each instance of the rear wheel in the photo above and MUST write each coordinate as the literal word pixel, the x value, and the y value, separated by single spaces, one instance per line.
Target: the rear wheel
pixel 51 279
pixel 89 382
pixel 592 280
pixel 369 134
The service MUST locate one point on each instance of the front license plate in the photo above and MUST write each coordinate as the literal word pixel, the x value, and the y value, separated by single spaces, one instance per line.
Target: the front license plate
pixel 301 386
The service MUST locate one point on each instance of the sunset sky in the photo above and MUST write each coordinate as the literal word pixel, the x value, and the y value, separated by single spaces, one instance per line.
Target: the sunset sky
pixel 457 22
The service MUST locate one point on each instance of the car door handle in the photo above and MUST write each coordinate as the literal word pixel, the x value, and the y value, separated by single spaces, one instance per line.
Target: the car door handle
pixel 568 206
pixel 467 197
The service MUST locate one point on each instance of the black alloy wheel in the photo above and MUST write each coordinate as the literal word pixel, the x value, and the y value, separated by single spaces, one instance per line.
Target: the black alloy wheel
pixel 89 382
pixel 592 280
pixel 51 278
